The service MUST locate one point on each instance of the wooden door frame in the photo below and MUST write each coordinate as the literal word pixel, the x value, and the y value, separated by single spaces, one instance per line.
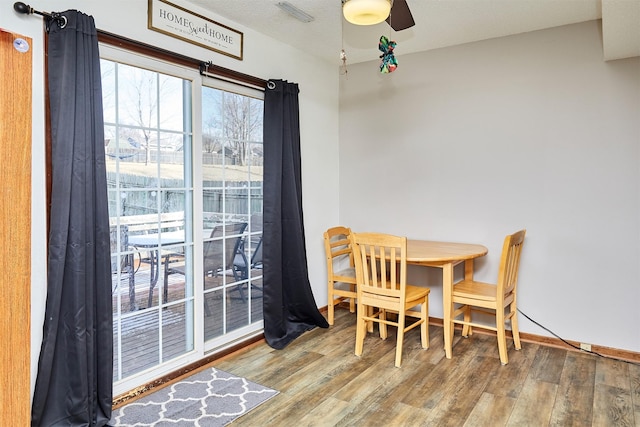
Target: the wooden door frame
pixel 15 182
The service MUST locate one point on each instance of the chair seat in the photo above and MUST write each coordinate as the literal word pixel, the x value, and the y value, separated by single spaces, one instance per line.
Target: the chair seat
pixel 346 275
pixel 240 261
pixel 476 290
pixel 416 292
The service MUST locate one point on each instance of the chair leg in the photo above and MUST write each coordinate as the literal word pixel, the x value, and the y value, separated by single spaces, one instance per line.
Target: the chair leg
pixel 361 329
pixel 466 329
pixel 150 302
pixel 240 289
pixel 153 281
pixel 352 301
pixel 502 338
pixel 424 327
pixel 207 310
pixel 515 331
pixel 330 308
pixel 369 323
pixel 238 276
pixel 400 339
pixel 382 315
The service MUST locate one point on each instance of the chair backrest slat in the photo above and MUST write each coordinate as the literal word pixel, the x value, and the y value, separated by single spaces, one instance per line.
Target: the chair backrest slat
pixel 337 246
pixel 219 253
pixel 381 263
pixel 510 263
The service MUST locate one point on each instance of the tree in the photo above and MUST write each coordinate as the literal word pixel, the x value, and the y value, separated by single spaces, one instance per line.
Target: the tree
pixel 144 92
pixel 235 119
pixel 242 118
pixel 210 144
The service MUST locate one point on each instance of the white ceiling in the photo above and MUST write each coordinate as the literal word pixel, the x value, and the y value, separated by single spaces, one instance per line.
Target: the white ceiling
pixel 439 23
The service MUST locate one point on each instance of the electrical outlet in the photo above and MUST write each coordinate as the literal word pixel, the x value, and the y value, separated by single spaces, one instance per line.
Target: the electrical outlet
pixel 585 347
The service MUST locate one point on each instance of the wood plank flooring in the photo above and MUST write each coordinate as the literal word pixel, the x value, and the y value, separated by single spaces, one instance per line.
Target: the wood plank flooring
pixel 322 383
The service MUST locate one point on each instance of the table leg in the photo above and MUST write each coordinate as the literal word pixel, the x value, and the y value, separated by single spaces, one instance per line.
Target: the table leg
pixel 132 283
pixel 154 271
pixel 447 289
pixel 165 283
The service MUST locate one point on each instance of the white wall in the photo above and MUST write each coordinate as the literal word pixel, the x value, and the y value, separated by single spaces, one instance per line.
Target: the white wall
pixel 264 58
pixel 532 131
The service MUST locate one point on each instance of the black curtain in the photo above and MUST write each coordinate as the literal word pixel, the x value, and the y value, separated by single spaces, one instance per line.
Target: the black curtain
pixel 289 307
pixel 75 370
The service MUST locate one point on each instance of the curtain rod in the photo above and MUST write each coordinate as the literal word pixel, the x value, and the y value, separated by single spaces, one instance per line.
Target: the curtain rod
pixel 205 68
pixel 28 10
pixel 256 83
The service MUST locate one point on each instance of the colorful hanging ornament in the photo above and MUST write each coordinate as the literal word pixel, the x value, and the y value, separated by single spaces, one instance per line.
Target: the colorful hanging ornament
pixel 343 55
pixel 388 62
pixel 343 58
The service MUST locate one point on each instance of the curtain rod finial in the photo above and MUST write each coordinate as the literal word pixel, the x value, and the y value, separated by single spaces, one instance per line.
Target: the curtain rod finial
pixel 22 8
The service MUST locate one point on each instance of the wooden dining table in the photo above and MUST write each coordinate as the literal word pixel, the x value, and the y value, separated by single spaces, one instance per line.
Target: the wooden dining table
pixel 445 255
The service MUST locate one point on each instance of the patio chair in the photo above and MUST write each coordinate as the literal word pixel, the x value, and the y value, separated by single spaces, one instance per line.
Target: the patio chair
pixel 242 265
pixel 218 253
pixel 124 260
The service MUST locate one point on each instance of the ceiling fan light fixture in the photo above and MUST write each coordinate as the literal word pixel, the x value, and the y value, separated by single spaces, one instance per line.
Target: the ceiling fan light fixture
pixel 366 12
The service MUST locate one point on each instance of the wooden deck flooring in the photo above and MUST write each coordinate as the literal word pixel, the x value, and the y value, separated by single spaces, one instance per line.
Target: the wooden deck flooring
pixel 140 331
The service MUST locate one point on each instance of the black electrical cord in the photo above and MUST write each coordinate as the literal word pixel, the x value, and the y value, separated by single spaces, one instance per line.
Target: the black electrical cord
pixel 573 345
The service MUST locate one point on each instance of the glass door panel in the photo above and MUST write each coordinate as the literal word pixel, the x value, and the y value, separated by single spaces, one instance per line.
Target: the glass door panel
pixel 232 201
pixel 150 197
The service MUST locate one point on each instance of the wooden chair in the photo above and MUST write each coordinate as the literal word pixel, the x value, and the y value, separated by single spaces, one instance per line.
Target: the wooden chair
pixel 493 299
pixel 381 271
pixel 341 273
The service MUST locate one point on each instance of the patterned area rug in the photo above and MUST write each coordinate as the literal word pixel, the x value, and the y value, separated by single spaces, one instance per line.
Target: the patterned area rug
pixel 209 398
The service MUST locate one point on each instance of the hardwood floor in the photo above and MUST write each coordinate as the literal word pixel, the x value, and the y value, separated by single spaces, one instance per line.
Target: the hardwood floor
pixel 322 383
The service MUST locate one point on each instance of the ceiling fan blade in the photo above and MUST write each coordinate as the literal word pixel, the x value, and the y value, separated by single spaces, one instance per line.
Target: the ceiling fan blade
pixel 400 17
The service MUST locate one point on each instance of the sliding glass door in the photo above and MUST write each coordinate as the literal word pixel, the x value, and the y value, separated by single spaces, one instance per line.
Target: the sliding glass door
pixel 184 172
pixel 232 161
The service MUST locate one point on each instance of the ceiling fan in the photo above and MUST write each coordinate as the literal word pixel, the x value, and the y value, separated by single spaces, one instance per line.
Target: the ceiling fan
pixel 369 12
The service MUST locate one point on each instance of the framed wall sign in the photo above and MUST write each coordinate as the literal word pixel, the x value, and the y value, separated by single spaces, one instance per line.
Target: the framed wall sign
pixel 178 22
